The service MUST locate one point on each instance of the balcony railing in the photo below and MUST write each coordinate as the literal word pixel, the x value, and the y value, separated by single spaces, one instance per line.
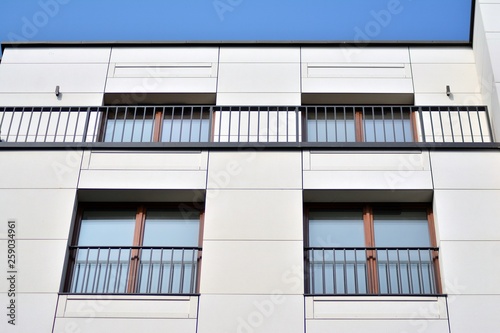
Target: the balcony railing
pixel 213 125
pixel 136 270
pixel 371 271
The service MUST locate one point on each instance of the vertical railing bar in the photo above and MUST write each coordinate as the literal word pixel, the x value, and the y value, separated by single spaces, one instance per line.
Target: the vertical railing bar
pixel 193 269
pixel 402 113
pixel 132 131
pixel 490 132
pixel 118 269
pixel 297 125
pixel 239 126
pixel 29 125
pixel 149 283
pixel 422 127
pixel 392 122
pixel 410 275
pixel 388 272
pixel 211 130
pixel 356 288
pixel 85 277
pixel 160 272
pixel 420 276
pixel 125 124
pixel 76 275
pixel 431 274
pixel 316 122
pixel 345 122
pixel 38 126
pixel 335 125
pixel 67 124
pixel 268 124
pixel 441 124
pixel 249 119
pixel 19 127
pixel 106 286
pixel 114 124
pixel 76 126
pixel 48 124
pixel 334 272
pixel 312 267
pixel 323 276
pixel 181 284
pixel 171 124
pixel 171 279
pixel 220 124
pixel 432 125
pixel 258 125
pixel 326 124
pixel 400 281
pixel 460 123
pixel 374 127
pixel 96 265
pixel 190 125
pixel 480 126
pixel 451 126
pixel 278 124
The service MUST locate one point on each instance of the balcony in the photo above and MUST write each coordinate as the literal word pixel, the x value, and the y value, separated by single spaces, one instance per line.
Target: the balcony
pixel 371 271
pixel 230 126
pixel 133 270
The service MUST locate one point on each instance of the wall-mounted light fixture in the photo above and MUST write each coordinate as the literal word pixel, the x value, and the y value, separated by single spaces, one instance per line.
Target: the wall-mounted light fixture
pixel 58 92
pixel 448 91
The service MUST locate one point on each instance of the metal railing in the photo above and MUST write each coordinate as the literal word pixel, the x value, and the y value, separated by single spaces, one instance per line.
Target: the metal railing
pixel 251 124
pixel 138 270
pixel 371 271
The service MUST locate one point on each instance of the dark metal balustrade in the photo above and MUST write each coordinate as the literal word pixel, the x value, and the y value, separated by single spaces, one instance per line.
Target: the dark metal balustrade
pixel 213 125
pixel 138 270
pixel 371 271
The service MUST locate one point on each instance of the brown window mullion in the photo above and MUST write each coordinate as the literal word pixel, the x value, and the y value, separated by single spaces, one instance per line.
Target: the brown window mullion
pixel 358 124
pixel 157 126
pixel 435 254
pixel 413 124
pixel 136 252
pixel 371 254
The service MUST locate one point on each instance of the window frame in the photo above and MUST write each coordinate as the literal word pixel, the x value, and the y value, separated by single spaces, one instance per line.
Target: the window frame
pixel 140 221
pixel 369 237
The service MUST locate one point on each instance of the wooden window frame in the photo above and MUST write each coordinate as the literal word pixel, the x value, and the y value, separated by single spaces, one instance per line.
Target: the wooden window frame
pixel 369 234
pixel 140 222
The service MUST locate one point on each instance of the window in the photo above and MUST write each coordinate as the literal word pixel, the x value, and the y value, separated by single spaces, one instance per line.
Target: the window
pixel 156 124
pixel 140 250
pixel 372 250
pixel 360 124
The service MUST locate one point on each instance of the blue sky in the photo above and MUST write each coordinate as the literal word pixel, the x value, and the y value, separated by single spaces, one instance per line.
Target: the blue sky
pixel 234 20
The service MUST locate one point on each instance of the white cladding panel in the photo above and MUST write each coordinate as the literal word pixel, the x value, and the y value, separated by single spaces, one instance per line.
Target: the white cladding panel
pixel 54 55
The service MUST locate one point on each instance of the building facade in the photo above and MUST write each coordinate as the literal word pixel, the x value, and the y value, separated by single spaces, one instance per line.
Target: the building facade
pixel 262 188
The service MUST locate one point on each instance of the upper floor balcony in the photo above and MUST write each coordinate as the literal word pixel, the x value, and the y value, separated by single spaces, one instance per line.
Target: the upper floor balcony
pixel 206 126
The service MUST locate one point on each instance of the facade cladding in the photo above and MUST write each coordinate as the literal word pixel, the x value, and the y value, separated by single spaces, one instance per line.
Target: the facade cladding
pixel 251 188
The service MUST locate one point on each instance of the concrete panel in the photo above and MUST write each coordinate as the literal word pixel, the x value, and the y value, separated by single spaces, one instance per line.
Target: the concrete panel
pixel 377 326
pixel 433 78
pixel 254 215
pixel 143 160
pixel 54 55
pixel 489 13
pixel 355 54
pixel 122 325
pixel 368 180
pixel 356 161
pixel 467 215
pixel 142 179
pixel 493 49
pixel 251 313
pixel 259 54
pixel 255 170
pixel 127 306
pixel 50 99
pixel 39 214
pixel 251 77
pixel 43 78
pixel 470 267
pixel 442 55
pixel 356 85
pixel 34 313
pixel 377 307
pixel 454 99
pixel 252 267
pixel 474 314
pixel 264 99
pixel 40 169
pixel 39 265
pixel 452 171
pixel 164 54
pixel 161 85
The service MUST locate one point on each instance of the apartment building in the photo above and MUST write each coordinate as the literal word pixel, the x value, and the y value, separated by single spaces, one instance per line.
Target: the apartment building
pixel 251 188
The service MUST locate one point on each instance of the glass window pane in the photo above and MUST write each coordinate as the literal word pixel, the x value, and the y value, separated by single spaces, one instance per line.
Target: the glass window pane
pixel 331 126
pixel 185 130
pixel 129 130
pixel 107 228
pixel 387 126
pixel 396 228
pixel 170 228
pixel 336 229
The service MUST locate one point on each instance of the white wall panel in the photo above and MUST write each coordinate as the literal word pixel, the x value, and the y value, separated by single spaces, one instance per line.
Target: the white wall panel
pixel 255 170
pixel 161 85
pixel 345 307
pixel 377 326
pixel 43 78
pixel 39 264
pixel 251 313
pixel 252 267
pixel 356 85
pixel 127 306
pixel 142 179
pixel 489 13
pixel 470 267
pixel 467 215
pixel 54 55
pixel 442 55
pixel 34 312
pixel 40 169
pixel 264 99
pixel 253 215
pixel 454 99
pixel 355 54
pixel 122 325
pixel 474 314
pixel 433 78
pixel 164 54
pixel 452 171
pixel 259 54
pixel 152 160
pixel 39 213
pixel 50 99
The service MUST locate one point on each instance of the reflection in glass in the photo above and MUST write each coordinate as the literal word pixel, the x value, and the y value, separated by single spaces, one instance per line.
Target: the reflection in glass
pixel 330 126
